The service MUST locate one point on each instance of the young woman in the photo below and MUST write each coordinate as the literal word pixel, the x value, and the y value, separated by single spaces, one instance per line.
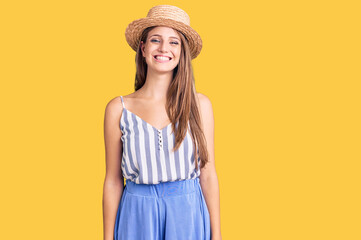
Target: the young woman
pixel 161 139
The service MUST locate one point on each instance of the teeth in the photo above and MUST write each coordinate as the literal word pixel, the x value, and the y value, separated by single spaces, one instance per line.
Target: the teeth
pixel 162 58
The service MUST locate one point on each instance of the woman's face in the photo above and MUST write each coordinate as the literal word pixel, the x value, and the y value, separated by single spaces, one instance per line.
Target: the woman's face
pixel 162 41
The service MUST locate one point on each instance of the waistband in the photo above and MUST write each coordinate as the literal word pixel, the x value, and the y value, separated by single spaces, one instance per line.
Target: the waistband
pixel 163 189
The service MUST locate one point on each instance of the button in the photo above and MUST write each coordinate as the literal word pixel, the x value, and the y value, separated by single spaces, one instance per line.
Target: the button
pixel 160 140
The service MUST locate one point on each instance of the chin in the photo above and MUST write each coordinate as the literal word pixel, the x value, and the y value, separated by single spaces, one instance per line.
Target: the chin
pixel 164 69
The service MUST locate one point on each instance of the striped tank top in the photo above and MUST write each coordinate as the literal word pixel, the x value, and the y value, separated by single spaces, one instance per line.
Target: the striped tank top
pixel 147 152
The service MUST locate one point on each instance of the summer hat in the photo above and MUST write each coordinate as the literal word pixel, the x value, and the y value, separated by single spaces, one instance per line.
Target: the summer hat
pixel 164 15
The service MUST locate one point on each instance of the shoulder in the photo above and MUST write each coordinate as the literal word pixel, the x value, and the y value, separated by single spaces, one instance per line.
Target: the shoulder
pixel 205 104
pixel 113 108
pixel 206 111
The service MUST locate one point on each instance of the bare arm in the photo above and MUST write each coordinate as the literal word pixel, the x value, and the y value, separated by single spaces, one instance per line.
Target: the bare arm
pixel 208 177
pixel 114 181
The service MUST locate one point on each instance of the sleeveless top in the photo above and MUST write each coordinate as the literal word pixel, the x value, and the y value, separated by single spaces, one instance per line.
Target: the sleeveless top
pixel 147 152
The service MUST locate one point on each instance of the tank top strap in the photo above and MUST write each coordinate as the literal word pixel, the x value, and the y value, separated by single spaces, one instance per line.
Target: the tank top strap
pixel 121 97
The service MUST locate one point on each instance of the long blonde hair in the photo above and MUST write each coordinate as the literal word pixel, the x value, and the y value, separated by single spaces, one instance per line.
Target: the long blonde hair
pixel 182 102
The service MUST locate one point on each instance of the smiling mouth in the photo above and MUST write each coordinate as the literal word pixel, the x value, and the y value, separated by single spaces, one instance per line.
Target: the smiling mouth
pixel 162 59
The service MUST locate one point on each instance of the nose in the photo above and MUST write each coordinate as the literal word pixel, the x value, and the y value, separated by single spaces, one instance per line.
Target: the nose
pixel 163 47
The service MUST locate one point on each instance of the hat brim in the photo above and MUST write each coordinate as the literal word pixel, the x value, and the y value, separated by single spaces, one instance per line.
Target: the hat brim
pixel 134 30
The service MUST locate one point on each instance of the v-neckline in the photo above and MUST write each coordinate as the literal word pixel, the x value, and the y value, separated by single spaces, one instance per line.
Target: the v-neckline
pixel 146 121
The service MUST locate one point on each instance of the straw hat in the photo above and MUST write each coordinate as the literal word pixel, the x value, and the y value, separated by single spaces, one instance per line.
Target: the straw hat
pixel 169 16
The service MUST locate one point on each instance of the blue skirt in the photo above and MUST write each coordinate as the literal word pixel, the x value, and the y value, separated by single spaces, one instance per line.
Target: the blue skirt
pixel 164 211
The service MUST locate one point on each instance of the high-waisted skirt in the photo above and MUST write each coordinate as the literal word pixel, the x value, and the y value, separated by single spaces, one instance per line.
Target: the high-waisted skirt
pixel 164 211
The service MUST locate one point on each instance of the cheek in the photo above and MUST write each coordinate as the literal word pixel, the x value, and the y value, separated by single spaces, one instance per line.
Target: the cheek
pixel 178 52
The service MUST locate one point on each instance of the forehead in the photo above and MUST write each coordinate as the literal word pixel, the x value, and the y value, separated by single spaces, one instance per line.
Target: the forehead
pixel 164 31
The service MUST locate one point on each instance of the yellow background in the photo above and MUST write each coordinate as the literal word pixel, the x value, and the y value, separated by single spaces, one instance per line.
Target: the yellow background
pixel 284 81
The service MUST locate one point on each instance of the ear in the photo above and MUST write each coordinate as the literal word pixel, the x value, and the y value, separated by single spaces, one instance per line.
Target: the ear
pixel 142 47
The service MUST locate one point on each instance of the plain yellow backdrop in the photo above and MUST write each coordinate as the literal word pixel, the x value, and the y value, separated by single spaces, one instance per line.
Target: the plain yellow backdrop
pixel 284 81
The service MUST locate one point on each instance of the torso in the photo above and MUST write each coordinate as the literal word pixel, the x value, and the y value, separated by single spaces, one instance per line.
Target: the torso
pixel 152 112
pixel 147 149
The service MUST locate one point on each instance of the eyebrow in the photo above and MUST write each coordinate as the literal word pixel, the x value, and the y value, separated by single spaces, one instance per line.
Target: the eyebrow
pixel 161 35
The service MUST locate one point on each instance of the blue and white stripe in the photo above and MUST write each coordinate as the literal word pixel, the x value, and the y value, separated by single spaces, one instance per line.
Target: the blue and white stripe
pixel 147 152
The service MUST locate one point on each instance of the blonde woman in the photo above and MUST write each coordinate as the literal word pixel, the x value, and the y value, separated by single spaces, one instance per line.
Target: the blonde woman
pixel 160 139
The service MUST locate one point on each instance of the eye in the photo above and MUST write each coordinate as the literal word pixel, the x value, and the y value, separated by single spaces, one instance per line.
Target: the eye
pixel 156 40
